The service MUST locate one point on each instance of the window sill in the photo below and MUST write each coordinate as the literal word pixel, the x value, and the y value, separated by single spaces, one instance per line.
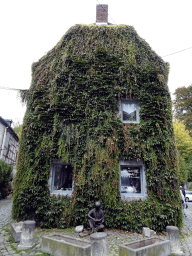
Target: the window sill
pixel 64 193
pixel 132 197
pixel 130 122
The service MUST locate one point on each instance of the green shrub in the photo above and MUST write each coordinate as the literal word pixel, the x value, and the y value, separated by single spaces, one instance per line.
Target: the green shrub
pixel 5 178
pixel 55 217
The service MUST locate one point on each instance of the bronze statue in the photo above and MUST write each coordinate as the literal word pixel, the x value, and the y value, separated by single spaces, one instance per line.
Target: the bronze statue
pixel 96 218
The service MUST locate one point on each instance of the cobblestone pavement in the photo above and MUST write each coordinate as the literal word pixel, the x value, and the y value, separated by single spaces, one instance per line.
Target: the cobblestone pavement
pixel 5 211
pixel 186 234
pixel 9 248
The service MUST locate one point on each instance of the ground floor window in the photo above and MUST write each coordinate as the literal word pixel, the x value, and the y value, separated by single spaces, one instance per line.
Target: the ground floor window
pixel 132 179
pixel 61 178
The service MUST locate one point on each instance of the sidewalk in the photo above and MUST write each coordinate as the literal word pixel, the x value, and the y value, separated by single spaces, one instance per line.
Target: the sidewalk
pixel 186 234
pixel 115 237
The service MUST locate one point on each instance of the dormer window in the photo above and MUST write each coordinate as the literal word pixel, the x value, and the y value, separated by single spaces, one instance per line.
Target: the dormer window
pixel 129 111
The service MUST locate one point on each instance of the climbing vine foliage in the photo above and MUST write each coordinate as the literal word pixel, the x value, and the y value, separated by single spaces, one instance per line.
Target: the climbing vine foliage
pixel 73 116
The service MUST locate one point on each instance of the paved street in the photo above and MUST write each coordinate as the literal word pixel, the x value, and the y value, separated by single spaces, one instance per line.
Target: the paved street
pixel 5 211
pixel 9 248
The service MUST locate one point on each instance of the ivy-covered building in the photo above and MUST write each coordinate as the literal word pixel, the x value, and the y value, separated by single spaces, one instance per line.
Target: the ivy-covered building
pixel 98 126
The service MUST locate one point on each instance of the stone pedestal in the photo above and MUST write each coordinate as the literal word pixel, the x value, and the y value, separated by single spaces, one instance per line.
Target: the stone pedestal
pixel 27 235
pixel 99 244
pixel 173 236
pixel 147 232
pixel 16 230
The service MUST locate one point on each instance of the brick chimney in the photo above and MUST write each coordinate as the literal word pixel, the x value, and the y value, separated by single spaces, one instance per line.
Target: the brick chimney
pixel 102 14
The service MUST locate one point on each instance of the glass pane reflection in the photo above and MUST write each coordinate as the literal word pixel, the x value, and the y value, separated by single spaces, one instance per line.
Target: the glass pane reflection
pixel 129 111
pixel 130 180
pixel 63 177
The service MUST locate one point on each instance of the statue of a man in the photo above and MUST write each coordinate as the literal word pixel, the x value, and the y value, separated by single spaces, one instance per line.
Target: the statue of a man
pixel 96 218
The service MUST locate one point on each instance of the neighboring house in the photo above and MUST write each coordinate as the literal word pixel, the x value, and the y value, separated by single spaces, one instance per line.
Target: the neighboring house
pixel 9 142
pixel 98 126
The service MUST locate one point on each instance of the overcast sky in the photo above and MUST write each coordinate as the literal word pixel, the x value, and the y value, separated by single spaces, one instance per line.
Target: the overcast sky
pixel 30 28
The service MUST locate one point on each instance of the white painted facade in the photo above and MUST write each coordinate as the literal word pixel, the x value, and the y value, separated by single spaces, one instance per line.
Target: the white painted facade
pixel 9 143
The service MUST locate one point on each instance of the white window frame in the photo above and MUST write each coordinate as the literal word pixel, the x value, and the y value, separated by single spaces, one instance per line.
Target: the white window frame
pixel 137 110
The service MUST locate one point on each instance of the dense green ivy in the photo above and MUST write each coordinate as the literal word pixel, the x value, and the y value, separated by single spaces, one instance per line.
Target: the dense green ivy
pixel 72 115
pixel 5 178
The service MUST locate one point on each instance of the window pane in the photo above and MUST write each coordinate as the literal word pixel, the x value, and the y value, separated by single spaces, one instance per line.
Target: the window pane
pixel 63 177
pixel 130 180
pixel 129 111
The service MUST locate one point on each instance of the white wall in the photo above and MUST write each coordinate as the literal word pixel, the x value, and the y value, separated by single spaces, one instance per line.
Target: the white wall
pixel 2 130
pixel 8 145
